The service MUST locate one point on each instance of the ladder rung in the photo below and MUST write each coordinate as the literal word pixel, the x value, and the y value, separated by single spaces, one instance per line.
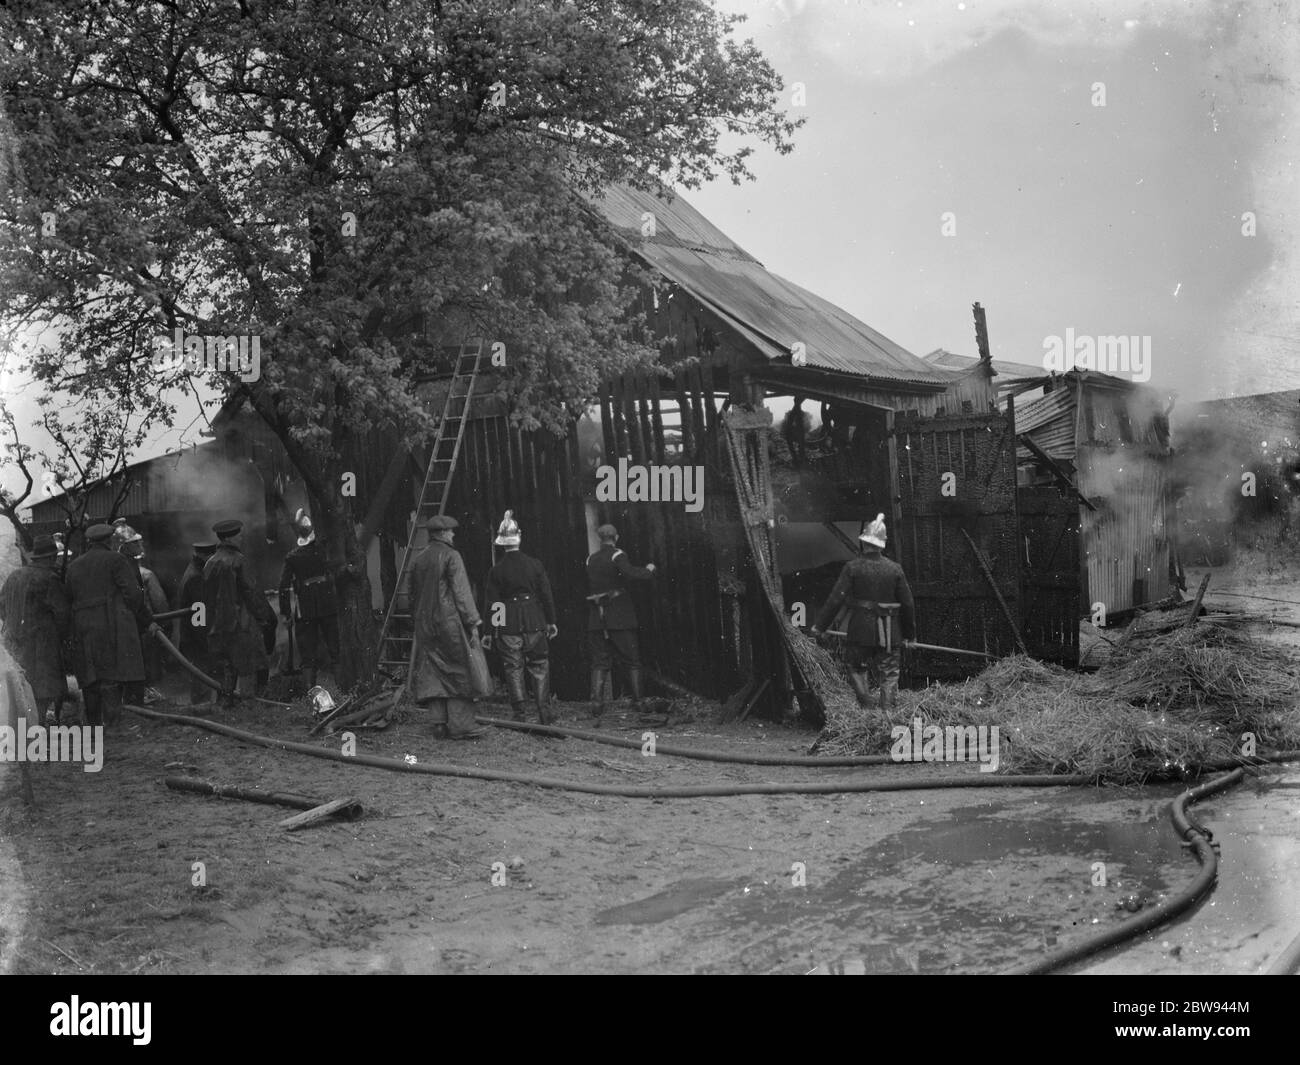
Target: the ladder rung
pixel 437 483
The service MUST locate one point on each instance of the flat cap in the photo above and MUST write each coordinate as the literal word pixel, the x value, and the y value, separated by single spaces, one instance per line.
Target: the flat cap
pixel 99 533
pixel 442 521
pixel 44 547
pixel 229 527
pixel 607 532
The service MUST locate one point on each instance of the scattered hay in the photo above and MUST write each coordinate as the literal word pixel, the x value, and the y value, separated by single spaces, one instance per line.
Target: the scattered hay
pixel 1174 702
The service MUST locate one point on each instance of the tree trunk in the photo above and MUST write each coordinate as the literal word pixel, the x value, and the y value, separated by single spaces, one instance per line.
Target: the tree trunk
pixel 357 631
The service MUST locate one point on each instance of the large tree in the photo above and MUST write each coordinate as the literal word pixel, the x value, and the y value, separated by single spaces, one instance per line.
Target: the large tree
pixel 333 176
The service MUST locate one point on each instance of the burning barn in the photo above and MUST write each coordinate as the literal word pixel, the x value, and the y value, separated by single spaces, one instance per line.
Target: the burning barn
pixel 1106 441
pixel 771 512
pixel 735 338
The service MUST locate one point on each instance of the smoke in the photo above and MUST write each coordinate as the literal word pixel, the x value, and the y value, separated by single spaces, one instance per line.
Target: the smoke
pixel 203 486
pixel 1238 460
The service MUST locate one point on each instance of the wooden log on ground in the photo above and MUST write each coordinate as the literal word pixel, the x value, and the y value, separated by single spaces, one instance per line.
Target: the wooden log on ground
pixel 351 810
pixel 320 813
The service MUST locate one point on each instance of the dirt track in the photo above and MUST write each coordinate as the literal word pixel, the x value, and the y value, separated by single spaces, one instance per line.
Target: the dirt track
pixel 931 881
pixel 935 881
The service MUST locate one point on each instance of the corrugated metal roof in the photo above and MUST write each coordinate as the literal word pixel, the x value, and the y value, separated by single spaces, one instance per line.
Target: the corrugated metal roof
pixel 1012 370
pixel 1049 421
pixel 767 310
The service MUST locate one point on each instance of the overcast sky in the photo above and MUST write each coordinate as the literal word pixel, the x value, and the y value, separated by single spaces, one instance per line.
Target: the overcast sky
pixel 1122 219
pixel 1116 219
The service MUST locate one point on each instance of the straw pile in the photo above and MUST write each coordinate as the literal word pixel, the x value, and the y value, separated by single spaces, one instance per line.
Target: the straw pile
pixel 1159 708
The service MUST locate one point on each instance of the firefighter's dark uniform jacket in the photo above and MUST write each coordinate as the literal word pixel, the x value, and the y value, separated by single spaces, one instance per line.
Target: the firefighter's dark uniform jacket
pixel 519 582
pixel 865 584
pixel 307 572
pixel 608 572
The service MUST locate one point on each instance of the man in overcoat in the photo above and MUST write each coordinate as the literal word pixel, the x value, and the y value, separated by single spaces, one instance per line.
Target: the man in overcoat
pixel 445 620
pixel 37 620
pixel 237 610
pixel 194 638
pixel 108 617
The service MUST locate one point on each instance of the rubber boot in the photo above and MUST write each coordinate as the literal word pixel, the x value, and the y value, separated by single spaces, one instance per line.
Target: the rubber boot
pixel 94 704
pixel 634 682
pixel 517 692
pixel 460 721
pixel 599 686
pixel 111 701
pixel 858 682
pixel 540 674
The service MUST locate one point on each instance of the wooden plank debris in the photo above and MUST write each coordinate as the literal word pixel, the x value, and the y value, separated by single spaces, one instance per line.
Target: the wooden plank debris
pixel 349 808
pixel 1196 603
pixel 319 813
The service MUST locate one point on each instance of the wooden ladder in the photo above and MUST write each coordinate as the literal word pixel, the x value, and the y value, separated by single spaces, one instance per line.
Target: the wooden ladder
pixel 398 629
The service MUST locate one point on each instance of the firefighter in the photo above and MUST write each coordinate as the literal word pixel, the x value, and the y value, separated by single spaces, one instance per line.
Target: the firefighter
pixel 131 544
pixel 36 621
pixel 309 600
pixel 611 617
pixel 445 620
pixel 881 616
pixel 194 638
pixel 108 616
pixel 238 613
pixel 521 611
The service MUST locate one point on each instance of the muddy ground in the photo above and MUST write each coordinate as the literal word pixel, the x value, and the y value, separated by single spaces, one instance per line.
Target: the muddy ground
pixel 99 875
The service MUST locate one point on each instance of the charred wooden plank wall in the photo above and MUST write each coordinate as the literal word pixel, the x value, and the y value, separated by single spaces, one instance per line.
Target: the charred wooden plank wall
pixel 955 605
pixel 1051 600
pixel 535 474
pixel 701 624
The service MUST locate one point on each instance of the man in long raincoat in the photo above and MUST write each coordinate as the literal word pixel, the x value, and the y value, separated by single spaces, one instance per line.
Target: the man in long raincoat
pixel 445 620
pixel 238 614
pixel 108 616
pixel 37 619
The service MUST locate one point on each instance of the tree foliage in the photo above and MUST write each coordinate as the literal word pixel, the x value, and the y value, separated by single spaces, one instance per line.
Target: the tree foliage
pixel 354 184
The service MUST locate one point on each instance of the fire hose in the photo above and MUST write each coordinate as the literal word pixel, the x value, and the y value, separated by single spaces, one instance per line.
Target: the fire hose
pixel 1195 836
pixel 679 791
pixel 688 752
pixel 198 674
pixel 1198 838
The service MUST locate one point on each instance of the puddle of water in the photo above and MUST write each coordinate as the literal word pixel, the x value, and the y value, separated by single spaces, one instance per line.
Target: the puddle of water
pixel 1254 909
pixel 978 834
pixel 679 898
pixel 974 888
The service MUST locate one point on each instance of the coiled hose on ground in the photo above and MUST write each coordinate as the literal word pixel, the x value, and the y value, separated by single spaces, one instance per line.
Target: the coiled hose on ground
pixel 1199 839
pixel 1195 835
